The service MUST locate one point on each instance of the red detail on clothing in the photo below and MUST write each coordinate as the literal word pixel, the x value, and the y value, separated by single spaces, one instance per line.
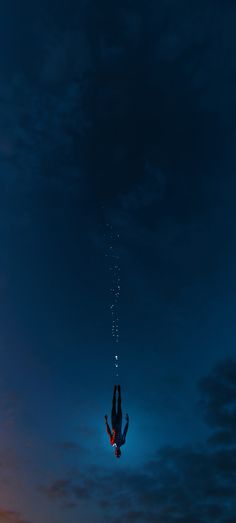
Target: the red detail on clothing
pixel 113 437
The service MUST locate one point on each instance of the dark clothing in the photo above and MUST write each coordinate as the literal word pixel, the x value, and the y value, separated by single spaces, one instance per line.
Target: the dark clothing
pixel 117 438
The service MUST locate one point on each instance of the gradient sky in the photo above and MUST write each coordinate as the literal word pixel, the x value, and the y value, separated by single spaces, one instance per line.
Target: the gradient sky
pixel 121 113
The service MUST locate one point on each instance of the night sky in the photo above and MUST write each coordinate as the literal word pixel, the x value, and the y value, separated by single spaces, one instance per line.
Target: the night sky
pixel 122 115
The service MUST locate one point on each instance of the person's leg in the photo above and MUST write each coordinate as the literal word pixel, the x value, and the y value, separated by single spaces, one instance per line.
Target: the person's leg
pixel 113 412
pixel 119 410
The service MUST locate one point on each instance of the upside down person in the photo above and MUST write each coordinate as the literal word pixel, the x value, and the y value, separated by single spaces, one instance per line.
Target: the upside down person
pixel 117 438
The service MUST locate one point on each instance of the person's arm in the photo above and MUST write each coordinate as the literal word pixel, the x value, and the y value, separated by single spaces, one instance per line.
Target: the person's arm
pixel 108 428
pixel 126 427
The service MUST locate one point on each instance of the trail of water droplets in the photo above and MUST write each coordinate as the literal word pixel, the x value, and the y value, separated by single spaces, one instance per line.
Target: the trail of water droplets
pixel 112 239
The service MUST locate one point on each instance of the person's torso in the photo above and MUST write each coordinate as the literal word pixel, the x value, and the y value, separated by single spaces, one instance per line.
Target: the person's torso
pixel 117 438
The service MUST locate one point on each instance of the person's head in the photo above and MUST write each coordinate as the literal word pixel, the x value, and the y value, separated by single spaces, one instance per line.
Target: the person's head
pixel 117 452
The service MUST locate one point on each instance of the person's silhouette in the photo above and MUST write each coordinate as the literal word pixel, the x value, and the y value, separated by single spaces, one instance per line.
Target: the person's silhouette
pixel 117 439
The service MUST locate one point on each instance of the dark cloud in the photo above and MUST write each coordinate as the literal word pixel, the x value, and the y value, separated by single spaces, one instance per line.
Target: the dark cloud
pixel 58 489
pixel 144 89
pixel 9 404
pixel 222 437
pixel 121 83
pixel 219 401
pixel 107 86
pixel 71 446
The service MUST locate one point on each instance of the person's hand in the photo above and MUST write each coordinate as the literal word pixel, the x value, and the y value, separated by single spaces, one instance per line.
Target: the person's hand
pixel 105 417
pixel 127 417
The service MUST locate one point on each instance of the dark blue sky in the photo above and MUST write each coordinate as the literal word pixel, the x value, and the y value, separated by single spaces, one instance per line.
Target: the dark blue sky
pixel 122 114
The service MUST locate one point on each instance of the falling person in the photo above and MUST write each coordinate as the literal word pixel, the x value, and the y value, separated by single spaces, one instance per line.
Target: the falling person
pixel 117 438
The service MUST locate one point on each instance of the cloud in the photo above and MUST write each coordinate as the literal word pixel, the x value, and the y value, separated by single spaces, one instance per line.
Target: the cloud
pixel 9 404
pixel 125 98
pixel 72 446
pixel 41 122
pixel 59 489
pixel 146 193
pixel 150 89
pixel 219 401
pixel 179 485
pixel 10 516
pixel 113 93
